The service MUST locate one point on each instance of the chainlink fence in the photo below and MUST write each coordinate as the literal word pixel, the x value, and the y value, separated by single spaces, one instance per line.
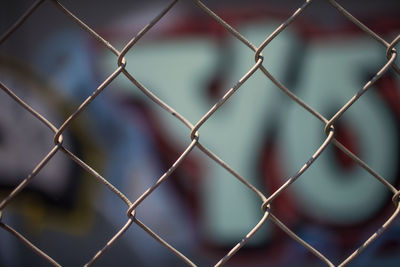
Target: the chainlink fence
pixel 266 200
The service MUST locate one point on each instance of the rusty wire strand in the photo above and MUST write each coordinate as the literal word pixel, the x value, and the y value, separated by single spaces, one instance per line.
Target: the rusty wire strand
pixel 32 175
pixel 85 103
pixel 164 243
pixel 306 165
pixel 364 166
pixel 228 27
pixel 293 235
pixel 85 27
pixel 110 243
pixel 390 50
pixel 239 245
pixel 361 92
pixel 20 21
pixel 372 238
pixel 226 166
pixel 358 23
pixel 97 176
pixel 157 100
pixel 164 176
pixel 227 95
pixel 135 39
pixel 29 244
pixel 281 27
pixel 193 134
pixel 28 108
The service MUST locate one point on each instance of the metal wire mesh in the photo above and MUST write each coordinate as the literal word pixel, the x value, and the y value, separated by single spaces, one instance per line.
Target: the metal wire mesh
pixel 266 201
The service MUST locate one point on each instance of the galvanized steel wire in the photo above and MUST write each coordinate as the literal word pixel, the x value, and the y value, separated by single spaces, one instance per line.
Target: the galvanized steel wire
pixel 266 200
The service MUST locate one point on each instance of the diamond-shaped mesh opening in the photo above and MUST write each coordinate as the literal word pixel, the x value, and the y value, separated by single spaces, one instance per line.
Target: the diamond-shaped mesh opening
pixel 142 170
